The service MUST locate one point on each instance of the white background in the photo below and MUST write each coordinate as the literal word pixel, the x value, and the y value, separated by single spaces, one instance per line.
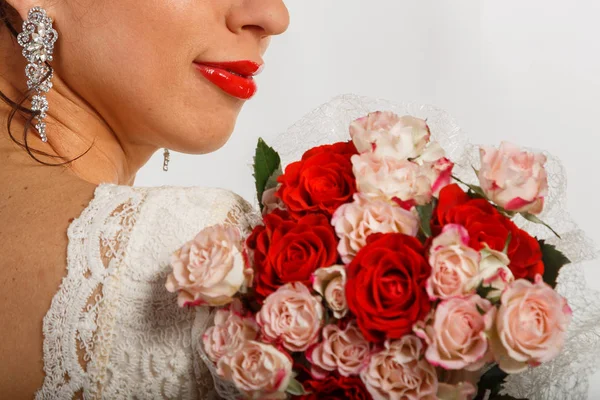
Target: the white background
pixel 524 71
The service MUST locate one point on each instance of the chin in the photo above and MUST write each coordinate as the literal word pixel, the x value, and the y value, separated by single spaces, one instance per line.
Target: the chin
pixel 205 137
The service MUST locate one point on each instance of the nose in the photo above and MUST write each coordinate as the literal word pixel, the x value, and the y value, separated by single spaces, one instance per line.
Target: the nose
pixel 268 17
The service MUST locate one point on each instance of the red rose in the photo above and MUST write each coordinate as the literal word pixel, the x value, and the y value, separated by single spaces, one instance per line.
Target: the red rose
pixel 386 286
pixel 486 225
pixel 286 250
pixel 332 387
pixel 320 182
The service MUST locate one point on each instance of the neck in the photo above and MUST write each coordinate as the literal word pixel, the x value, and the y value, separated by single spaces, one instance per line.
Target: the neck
pixel 73 127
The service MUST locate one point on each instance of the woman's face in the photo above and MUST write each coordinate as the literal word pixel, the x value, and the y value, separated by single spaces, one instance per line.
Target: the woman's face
pixel 146 65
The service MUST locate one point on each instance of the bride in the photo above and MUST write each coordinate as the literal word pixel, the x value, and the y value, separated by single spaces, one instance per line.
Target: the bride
pixel 84 312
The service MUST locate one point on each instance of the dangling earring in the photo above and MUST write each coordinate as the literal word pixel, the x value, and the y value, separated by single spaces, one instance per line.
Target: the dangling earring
pixel 166 159
pixel 37 39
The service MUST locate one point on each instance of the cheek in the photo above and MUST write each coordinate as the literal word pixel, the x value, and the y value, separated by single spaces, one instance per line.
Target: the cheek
pixel 134 66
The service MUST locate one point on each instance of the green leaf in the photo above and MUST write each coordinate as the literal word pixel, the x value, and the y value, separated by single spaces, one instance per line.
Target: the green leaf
pixel 295 388
pixel 490 383
pixel 506 213
pixel 532 218
pixel 553 260
pixel 484 292
pixel 266 164
pixel 480 310
pixel 425 213
pixel 474 188
pixel 272 181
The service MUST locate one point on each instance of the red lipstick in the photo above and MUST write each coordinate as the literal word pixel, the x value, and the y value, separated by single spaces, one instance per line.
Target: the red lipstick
pixel 233 77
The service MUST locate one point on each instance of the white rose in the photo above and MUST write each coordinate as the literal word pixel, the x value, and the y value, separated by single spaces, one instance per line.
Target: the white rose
pixel 513 178
pixel 493 271
pixel 367 130
pixel 354 222
pixel 391 178
pixel 209 269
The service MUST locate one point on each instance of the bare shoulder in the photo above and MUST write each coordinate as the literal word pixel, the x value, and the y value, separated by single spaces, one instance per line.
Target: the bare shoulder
pixel 37 205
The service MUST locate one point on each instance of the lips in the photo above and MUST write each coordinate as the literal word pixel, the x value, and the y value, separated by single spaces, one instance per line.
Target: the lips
pixel 234 77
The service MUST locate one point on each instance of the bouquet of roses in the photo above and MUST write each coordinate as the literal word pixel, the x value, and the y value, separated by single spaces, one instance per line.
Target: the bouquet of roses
pixel 377 274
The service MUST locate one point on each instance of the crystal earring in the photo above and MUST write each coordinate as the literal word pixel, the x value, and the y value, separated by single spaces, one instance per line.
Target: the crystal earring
pixel 37 39
pixel 166 159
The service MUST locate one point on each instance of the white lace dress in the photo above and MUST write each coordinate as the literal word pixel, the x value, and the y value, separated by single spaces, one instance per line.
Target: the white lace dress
pixel 113 331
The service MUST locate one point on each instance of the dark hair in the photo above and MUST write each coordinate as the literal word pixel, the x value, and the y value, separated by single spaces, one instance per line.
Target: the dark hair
pixel 7 14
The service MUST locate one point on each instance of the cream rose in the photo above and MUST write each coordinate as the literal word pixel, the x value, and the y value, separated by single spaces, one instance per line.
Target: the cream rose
pixel 330 283
pixel 391 178
pixel 230 331
pixel 531 325
pixel 344 350
pixel 291 316
pixel 456 337
pixel 209 269
pixel 270 201
pixel 354 222
pixel 493 272
pixel 389 135
pixel 454 265
pixel 367 130
pixel 514 179
pixel 399 372
pixel 439 173
pixel 258 370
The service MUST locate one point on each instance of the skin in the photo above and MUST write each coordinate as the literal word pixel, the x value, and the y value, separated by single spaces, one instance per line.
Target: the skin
pixel 124 81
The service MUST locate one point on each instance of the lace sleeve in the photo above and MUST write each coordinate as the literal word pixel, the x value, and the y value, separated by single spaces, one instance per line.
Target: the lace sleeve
pixel 113 331
pixel 567 376
pixel 73 342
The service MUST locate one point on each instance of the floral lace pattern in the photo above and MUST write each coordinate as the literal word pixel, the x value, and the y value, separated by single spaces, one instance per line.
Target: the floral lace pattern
pixel 113 331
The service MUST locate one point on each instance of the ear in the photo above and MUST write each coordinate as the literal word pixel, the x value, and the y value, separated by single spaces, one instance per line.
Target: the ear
pixel 22 7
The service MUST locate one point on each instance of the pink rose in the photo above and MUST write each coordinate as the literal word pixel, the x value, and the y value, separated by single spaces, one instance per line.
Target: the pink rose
pixel 258 370
pixel 330 283
pixel 270 201
pixel 291 316
pixel 399 372
pixel 229 333
pixel 514 179
pixel 209 269
pixel 454 265
pixel 391 178
pixel 344 350
pixel 354 222
pixel 456 337
pixel 531 325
